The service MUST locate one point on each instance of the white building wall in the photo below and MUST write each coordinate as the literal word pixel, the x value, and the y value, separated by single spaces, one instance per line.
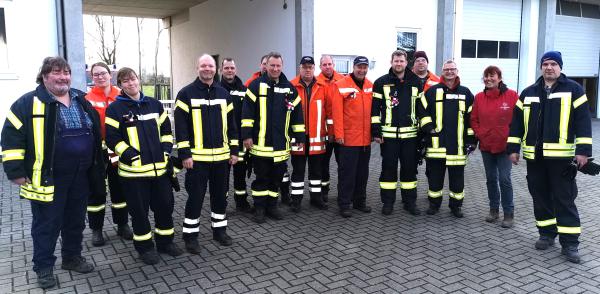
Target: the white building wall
pixel 578 39
pixel 354 27
pixel 244 30
pixel 496 20
pixel 28 44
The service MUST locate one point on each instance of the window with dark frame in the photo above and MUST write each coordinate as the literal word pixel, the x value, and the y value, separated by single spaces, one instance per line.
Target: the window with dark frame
pixel 570 8
pixel 509 50
pixel 468 49
pixel 590 11
pixel 487 49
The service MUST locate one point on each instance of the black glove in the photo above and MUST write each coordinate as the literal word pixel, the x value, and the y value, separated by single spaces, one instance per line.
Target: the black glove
pixel 173 165
pixel 249 165
pixel 590 168
pixel 470 148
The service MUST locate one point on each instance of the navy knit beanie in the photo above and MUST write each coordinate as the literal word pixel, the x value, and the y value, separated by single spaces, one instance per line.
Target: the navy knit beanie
pixel 552 55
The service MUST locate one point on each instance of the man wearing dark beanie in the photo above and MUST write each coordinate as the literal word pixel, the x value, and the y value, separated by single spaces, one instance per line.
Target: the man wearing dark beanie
pixel 551 123
pixel 426 77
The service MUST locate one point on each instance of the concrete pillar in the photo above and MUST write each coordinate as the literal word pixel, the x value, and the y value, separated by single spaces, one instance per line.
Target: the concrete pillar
pixel 445 32
pixel 305 45
pixel 528 49
pixel 70 36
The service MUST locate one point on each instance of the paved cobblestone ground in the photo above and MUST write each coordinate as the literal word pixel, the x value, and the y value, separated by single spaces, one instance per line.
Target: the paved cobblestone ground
pixel 319 252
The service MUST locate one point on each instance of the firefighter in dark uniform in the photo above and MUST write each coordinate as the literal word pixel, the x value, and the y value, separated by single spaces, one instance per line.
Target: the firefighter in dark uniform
pixel 139 131
pixel 271 115
pixel 394 123
pixel 446 121
pixel 52 149
pixel 551 124
pixel 232 83
pixel 207 141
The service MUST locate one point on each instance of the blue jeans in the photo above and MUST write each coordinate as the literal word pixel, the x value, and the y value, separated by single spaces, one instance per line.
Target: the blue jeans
pixel 497 171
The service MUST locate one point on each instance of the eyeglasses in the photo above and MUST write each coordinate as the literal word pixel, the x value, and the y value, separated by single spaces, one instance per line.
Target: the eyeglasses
pixel 449 69
pixel 100 74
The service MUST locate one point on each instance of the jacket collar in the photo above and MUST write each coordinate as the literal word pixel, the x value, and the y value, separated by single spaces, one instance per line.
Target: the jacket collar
pixel 408 75
pixel 561 80
pixel 114 92
pixel 237 83
pixel 456 85
pixel 282 79
pixel 44 95
pixel 125 98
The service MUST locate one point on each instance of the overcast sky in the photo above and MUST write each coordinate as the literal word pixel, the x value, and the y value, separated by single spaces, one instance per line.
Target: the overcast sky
pixel 127 44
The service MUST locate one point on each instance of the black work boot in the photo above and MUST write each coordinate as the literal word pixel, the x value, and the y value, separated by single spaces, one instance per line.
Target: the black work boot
pixel 274 212
pixel 325 193
pixel 77 264
pixel 544 242
pixel 98 238
pixel 387 209
pixel 124 231
pixel 508 220
pixel 362 207
pixel 150 257
pixel 259 214
pixel 571 253
pixel 242 204
pixel 433 209
pixel 317 201
pixel 345 212
pixel 412 208
pixel 222 237
pixel 493 216
pixel 456 212
pixel 46 278
pixel 170 249
pixel 192 246
pixel 296 204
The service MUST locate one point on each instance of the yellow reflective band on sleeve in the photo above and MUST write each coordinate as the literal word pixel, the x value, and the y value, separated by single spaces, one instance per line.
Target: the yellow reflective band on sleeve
pixel 377 95
pixel 183 144
pixel 13 154
pixel 470 132
pixel 424 101
pixel 162 118
pixel 375 119
pixel 515 140
pixel 121 147
pixel 247 123
pixel 457 196
pixel 14 120
pixel 166 139
pixel 580 101
pixel 182 105
pixel 96 208
pixel 111 122
pixel 434 194
pixel 119 205
pixel 142 237
pixel 545 223
pixel 273 194
pixel 132 133
pixel 568 230
pixel 519 104
pixel 166 232
pixel 234 142
pixel 296 101
pixel 229 107
pixel 251 95
pixel 298 128
pixel 583 140
pixel 426 120
pixel 388 185
pixel 408 185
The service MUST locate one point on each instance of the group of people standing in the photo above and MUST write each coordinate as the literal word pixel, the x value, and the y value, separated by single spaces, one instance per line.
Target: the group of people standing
pixel 59 144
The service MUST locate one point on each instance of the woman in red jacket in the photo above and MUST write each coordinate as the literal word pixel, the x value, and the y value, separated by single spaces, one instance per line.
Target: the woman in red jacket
pixel 490 120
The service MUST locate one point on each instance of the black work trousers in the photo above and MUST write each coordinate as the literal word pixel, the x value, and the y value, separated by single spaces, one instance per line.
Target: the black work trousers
pixel 353 173
pixel 213 175
pixel 330 148
pixel 392 151
pixel 553 188
pixel 314 175
pixel 97 203
pixel 436 172
pixel 150 193
pixel 265 186
pixel 240 170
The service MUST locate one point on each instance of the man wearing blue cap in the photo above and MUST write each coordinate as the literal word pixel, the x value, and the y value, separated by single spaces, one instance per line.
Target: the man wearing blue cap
pixel 551 123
